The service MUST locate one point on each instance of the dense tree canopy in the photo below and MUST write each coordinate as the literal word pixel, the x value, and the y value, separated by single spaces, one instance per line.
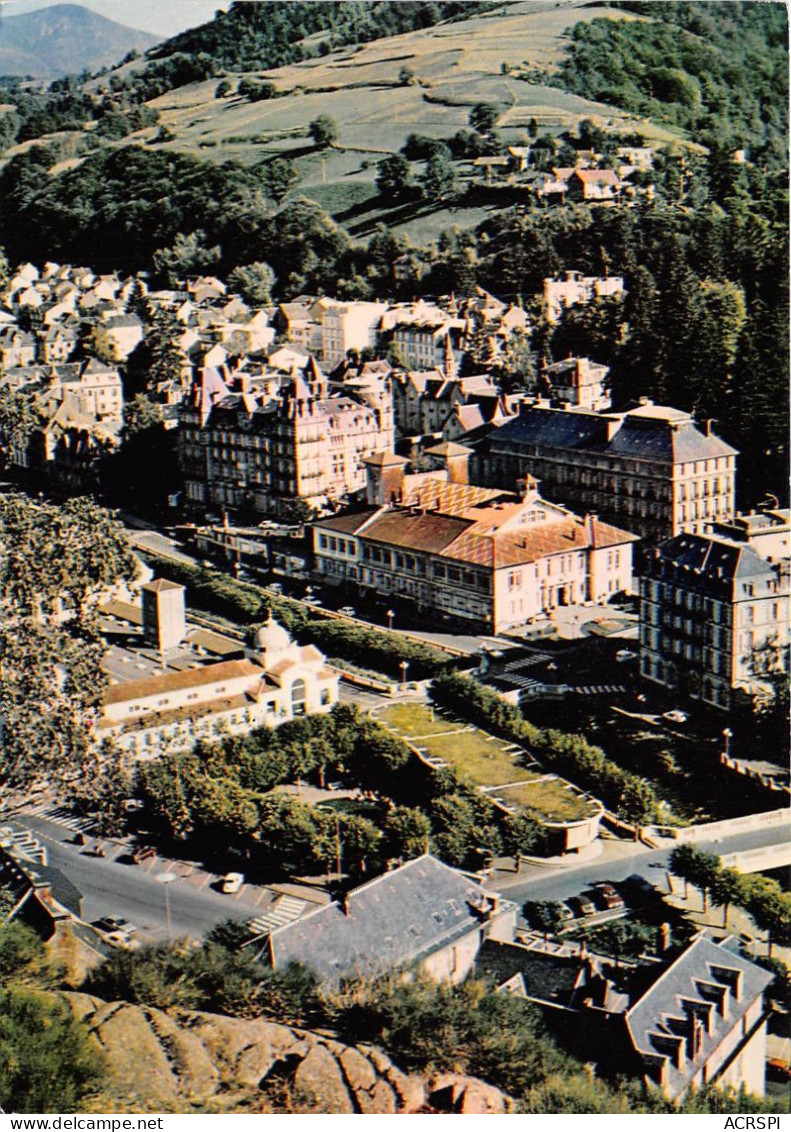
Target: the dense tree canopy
pixel 54 562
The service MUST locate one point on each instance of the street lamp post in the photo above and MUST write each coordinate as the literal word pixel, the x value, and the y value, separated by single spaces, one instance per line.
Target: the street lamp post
pixel 727 735
pixel 390 616
pixel 166 879
pixel 404 666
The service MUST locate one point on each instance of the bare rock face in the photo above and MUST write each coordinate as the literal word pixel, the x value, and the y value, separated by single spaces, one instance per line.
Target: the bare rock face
pixel 452 1092
pixel 189 1061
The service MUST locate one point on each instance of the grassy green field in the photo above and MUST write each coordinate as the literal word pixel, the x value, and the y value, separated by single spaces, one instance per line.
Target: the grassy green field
pixel 552 798
pixel 483 757
pixel 488 761
pixel 455 65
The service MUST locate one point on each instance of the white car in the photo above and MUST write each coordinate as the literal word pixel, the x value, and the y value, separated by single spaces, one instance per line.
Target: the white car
pixel 676 716
pixel 232 882
pixel 625 654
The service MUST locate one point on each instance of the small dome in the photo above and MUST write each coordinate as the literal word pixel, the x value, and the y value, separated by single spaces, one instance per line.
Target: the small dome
pixel 271 637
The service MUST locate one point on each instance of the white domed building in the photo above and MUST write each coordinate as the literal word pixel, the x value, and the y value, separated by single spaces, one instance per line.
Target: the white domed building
pixel 298 681
pixel 187 697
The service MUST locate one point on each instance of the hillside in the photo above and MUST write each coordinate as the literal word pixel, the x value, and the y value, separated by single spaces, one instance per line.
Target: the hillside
pixel 422 81
pixel 64 39
pixel 198 1062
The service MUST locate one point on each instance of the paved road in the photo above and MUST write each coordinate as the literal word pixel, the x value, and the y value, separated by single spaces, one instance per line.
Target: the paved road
pixel 112 889
pixel 159 544
pixel 617 863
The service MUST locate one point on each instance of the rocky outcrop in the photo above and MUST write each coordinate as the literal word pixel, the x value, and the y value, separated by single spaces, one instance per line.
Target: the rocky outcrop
pixel 190 1062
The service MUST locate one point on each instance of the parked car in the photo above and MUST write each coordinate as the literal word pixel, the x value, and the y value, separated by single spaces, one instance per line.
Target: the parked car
pixel 625 654
pixel 582 906
pixel 348 611
pixel 110 925
pixel 232 882
pixel 608 897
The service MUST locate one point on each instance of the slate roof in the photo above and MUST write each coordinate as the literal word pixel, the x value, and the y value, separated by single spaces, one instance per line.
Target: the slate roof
pixel 398 918
pixel 695 984
pixel 676 440
pixel 550 978
pixel 706 565
pixel 650 432
pixel 552 428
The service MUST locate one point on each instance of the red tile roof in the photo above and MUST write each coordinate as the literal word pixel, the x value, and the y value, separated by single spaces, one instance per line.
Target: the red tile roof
pixel 177 681
pixel 598 176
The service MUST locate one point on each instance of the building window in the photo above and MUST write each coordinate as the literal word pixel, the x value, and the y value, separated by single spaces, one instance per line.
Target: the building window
pixel 299 695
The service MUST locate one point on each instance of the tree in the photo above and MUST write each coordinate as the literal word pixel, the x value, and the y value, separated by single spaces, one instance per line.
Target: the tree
pixel 166 358
pixel 483 117
pixel 407 832
pixel 544 915
pixel 279 176
pixel 254 282
pixel 19 420
pixel 102 790
pixel 726 889
pixel 439 179
pixel 223 89
pixel 324 131
pixel 695 867
pixel 393 176
pixel 186 256
pixel 49 1061
pixel 51 678
pixel 406 77
pixel 140 415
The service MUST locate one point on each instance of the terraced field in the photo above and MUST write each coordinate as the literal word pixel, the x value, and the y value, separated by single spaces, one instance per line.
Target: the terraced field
pixel 503 770
pixel 455 65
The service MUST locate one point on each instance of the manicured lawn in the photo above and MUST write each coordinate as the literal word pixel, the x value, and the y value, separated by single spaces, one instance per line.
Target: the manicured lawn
pixel 474 753
pixel 416 719
pixel 551 799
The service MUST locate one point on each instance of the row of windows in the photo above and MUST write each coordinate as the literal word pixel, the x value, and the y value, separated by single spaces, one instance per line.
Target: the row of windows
pixel 337 545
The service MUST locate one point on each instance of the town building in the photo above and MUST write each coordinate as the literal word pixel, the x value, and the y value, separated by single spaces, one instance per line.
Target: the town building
pixel 259 444
pixel 17 347
pixel 424 400
pixel 594 186
pixel 485 556
pixel 650 469
pixel 423 913
pixel 174 685
pixel 578 382
pixel 117 334
pixel 331 329
pixel 703 1022
pixel 423 335
pixel 714 612
pixel 679 1023
pixel 577 289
